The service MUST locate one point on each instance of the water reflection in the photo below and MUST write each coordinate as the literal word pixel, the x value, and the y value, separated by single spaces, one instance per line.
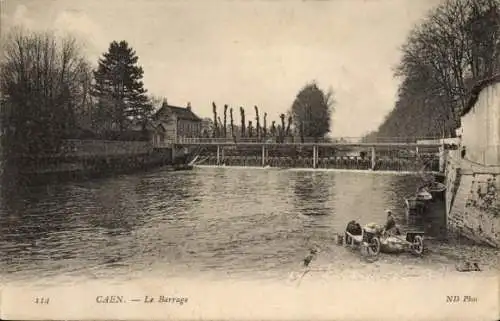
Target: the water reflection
pixel 360 197
pixel 396 190
pixel 31 214
pixel 312 192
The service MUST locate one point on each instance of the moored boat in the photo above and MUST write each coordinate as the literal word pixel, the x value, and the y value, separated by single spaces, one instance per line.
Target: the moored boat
pixel 436 187
pixel 424 195
pixel 415 206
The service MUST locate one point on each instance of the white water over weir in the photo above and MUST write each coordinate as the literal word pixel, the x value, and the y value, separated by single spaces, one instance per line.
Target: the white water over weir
pixel 389 157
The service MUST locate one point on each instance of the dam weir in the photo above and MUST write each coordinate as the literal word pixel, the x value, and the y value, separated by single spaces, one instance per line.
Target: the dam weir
pixel 382 157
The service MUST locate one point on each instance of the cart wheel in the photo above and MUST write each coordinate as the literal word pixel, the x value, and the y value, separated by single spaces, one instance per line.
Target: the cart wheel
pixel 418 245
pixel 374 246
pixel 348 240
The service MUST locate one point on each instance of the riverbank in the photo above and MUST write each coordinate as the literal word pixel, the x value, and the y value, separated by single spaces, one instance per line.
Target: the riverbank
pixel 87 159
pixel 60 169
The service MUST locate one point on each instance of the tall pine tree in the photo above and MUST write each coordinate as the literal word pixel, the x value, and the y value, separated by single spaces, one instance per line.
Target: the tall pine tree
pixel 120 93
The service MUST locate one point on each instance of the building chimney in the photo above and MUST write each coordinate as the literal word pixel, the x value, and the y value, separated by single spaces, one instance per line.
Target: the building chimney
pixel 188 106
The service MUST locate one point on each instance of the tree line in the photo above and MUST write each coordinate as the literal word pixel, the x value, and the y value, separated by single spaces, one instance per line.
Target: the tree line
pixel 455 46
pixel 308 117
pixel 50 92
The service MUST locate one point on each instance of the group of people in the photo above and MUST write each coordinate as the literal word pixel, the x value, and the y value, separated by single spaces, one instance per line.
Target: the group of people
pixel 389 228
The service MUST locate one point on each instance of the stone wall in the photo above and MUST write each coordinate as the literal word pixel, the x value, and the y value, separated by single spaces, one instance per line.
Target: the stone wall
pixel 473 205
pixel 105 148
pixel 472 178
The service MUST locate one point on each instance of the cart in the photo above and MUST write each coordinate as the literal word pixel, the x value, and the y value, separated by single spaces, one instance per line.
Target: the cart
pixel 371 238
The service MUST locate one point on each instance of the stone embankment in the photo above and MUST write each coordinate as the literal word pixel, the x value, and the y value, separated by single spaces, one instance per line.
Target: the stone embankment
pixel 473 202
pixel 93 158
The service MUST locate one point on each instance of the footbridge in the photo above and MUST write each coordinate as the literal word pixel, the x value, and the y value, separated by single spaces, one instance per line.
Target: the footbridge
pixel 400 154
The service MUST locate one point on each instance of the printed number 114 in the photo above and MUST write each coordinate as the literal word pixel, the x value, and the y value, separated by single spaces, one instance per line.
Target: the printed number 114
pixel 42 300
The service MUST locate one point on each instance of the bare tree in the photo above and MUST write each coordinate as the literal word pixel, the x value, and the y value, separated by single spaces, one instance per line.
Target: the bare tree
pixel 157 101
pixel 273 128
pixel 45 82
pixel 219 125
pixel 216 126
pixel 282 131
pixel 242 115
pixel 231 119
pixel 264 127
pixel 257 121
pixel 456 45
pixel 225 121
pixel 250 129
pixel 289 125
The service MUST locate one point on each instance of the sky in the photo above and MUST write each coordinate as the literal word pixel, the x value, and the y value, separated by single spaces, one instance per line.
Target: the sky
pixel 244 52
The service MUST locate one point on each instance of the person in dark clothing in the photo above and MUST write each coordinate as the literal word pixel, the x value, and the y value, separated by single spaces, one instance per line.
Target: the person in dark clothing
pixel 354 228
pixel 390 223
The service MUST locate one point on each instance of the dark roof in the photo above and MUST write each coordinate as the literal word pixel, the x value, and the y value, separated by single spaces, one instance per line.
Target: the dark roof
pixel 181 112
pixel 476 90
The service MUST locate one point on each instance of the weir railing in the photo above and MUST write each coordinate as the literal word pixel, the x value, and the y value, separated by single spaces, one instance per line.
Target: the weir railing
pixel 305 141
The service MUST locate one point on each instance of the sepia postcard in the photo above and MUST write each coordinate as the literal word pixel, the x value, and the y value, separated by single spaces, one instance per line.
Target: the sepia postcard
pixel 249 160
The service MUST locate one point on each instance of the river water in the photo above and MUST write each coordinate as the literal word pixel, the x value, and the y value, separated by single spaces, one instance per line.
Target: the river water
pixel 237 222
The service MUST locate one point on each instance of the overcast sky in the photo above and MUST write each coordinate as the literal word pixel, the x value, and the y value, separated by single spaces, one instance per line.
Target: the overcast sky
pixel 246 53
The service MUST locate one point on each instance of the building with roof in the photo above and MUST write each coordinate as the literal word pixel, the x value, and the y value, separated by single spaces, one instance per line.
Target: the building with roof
pixel 172 122
pixel 480 123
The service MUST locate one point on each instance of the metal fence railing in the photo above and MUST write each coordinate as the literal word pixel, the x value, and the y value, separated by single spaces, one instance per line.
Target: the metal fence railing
pixel 76 147
pixel 297 140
